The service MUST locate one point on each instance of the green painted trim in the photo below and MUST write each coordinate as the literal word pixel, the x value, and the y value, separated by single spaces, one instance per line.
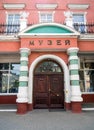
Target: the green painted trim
pixel 75 82
pixel 73 54
pixel 74 61
pixel 24 54
pixel 23 84
pixel 24 63
pixel 23 73
pixel 49 29
pixel 74 72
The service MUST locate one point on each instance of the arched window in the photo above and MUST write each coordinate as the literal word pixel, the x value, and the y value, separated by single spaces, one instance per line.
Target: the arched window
pixel 48 66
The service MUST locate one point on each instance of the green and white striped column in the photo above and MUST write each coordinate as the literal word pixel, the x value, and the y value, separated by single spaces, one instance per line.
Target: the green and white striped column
pixel 74 75
pixel 22 96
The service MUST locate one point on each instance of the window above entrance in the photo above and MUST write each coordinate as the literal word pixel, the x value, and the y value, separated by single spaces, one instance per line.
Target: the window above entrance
pixel 48 66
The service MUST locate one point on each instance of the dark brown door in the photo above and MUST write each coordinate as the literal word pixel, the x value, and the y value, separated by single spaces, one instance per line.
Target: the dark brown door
pixel 56 93
pixel 48 91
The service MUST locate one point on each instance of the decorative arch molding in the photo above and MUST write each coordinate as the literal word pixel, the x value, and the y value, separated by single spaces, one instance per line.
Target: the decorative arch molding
pixel 48 29
pixel 66 76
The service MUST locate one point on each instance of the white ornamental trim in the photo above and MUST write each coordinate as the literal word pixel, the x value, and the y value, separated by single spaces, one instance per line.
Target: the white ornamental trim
pixel 14 6
pixel 24 68
pixel 78 6
pixel 46 6
pixel 76 94
pixel 74 77
pixel 72 49
pixel 22 95
pixel 75 90
pixel 73 58
pixel 74 67
pixel 24 59
pixel 76 98
pixel 27 50
pixel 23 78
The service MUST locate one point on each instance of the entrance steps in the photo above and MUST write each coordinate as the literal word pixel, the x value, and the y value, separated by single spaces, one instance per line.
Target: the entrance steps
pixel 8 107
pixel 88 106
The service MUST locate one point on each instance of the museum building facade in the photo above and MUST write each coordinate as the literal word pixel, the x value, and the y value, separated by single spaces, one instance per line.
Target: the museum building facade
pixel 47 54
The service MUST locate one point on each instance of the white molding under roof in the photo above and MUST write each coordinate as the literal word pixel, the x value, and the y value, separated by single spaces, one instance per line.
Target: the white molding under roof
pixel 78 6
pixel 14 6
pixel 46 6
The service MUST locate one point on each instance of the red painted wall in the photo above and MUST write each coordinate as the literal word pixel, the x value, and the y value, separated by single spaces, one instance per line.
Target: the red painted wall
pixel 9 46
pixel 59 11
pixel 88 98
pixel 86 46
pixel 8 99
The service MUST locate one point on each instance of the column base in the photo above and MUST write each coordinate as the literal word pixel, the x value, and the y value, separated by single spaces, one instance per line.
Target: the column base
pixel 30 107
pixel 67 106
pixel 76 107
pixel 21 108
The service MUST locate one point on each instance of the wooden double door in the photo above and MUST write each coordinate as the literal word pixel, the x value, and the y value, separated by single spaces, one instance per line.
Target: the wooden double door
pixel 48 91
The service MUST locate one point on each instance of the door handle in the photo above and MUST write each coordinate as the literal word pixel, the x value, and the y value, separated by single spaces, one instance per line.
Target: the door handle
pixel 57 95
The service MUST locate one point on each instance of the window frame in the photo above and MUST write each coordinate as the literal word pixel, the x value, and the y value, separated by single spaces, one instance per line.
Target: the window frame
pixel 46 13
pixel 81 28
pixel 81 13
pixel 9 76
pixel 13 23
pixel 84 80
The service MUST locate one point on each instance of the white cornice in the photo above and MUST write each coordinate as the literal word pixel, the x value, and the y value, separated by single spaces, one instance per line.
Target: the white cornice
pixel 11 38
pixel 78 6
pixel 14 6
pixel 46 6
pixel 87 37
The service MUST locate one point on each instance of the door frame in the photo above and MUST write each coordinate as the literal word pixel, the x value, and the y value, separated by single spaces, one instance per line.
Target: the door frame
pixel 64 67
pixel 48 92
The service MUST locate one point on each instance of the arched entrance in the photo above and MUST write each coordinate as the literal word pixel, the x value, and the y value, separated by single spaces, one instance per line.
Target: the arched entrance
pixel 48 90
pixel 66 76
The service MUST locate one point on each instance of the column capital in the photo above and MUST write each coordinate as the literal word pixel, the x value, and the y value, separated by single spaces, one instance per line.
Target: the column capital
pixel 27 50
pixel 72 49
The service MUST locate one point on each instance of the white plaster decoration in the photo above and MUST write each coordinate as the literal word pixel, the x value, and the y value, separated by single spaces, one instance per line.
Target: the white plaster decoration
pixel 73 57
pixel 78 6
pixel 24 68
pixel 25 50
pixel 74 77
pixel 72 49
pixel 23 78
pixel 68 19
pixel 14 6
pixel 22 95
pixel 67 91
pixel 23 20
pixel 24 58
pixel 73 67
pixel 46 6
pixel 76 94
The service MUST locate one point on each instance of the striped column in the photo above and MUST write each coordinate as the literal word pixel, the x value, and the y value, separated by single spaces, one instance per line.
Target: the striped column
pixel 22 96
pixel 74 75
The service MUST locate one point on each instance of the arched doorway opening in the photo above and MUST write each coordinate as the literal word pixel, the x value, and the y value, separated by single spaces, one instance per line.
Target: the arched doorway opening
pixel 67 92
pixel 48 89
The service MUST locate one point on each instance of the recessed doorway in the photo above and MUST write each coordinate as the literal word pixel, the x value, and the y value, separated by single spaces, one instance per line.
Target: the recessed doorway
pixel 48 91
